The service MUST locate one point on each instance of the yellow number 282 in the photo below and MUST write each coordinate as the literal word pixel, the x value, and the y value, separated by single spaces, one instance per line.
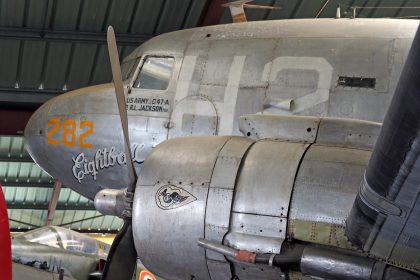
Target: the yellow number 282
pixel 69 135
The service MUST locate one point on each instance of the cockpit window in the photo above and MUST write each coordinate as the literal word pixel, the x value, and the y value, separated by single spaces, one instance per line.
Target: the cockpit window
pixel 74 241
pixel 46 236
pixel 62 238
pixel 155 73
pixel 128 68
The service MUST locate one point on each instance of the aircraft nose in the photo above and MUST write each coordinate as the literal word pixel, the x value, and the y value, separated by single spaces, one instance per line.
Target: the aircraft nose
pixel 39 130
pixel 35 131
pixel 74 137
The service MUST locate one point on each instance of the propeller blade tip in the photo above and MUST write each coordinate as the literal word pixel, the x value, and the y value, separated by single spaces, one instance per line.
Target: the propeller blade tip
pixel 110 32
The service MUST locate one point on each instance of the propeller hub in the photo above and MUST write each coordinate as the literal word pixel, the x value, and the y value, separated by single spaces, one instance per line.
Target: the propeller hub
pixel 114 202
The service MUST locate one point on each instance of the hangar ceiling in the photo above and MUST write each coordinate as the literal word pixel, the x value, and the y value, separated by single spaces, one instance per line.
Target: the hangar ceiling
pixel 48 47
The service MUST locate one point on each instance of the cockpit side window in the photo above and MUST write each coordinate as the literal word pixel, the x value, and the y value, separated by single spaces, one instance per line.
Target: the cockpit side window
pixel 63 238
pixel 46 236
pixel 74 241
pixel 128 67
pixel 155 73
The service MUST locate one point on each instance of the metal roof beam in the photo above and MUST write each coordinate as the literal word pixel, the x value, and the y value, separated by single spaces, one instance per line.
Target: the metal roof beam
pixel 25 184
pixel 33 98
pixel 125 39
pixel 31 206
pixel 81 220
pixel 24 223
pixel 15 158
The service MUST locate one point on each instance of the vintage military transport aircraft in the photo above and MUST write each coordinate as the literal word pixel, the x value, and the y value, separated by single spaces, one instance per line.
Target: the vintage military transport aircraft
pixel 53 248
pixel 300 194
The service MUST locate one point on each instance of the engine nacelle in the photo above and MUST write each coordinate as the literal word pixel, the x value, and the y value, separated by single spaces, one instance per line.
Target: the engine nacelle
pixel 244 194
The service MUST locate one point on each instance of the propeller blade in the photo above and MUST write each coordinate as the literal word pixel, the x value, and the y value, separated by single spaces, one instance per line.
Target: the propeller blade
pixel 119 90
pixel 122 258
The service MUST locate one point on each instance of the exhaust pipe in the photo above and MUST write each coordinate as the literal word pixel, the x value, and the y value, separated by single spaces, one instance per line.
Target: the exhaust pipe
pixel 322 262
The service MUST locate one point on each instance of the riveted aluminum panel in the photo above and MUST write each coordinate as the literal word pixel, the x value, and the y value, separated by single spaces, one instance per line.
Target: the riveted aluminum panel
pixel 266 179
pixel 219 203
pixel 351 133
pixel 262 195
pixel 193 115
pixel 166 235
pixel 251 101
pixel 220 196
pixel 326 185
pixel 83 101
pixel 331 131
pixel 228 161
pixel 166 240
pixel 189 152
pixel 199 125
pixel 222 53
pixel 323 28
pixel 288 128
pixel 256 233
pixel 251 272
pixel 219 270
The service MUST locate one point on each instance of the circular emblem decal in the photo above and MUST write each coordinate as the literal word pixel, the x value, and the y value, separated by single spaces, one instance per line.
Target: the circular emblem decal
pixel 146 275
pixel 171 197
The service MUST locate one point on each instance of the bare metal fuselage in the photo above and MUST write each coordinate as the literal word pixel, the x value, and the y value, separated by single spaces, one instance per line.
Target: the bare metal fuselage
pixel 248 195
pixel 221 73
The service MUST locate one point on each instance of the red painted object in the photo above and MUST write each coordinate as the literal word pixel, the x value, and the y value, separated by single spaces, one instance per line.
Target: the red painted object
pixel 212 13
pixel 5 243
pixel 13 122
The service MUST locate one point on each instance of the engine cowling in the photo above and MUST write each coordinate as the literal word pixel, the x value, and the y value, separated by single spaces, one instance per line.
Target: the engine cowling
pixel 248 195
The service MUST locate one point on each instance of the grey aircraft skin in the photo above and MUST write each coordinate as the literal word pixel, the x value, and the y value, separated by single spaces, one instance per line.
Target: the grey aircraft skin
pixel 21 271
pixel 309 97
pixel 53 248
pixel 280 67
